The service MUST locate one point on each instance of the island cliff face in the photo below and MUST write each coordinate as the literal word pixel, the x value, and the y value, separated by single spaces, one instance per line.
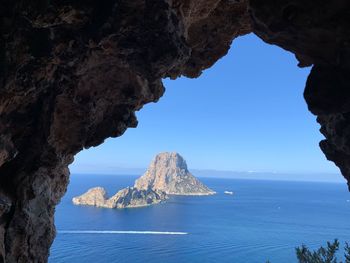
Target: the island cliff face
pixel 126 198
pixel 168 172
pixel 96 196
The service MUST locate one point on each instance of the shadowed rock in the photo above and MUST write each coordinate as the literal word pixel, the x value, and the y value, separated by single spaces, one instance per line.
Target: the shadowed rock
pixel 73 73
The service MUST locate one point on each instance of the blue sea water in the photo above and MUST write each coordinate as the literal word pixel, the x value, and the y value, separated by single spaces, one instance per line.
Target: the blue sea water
pixel 263 220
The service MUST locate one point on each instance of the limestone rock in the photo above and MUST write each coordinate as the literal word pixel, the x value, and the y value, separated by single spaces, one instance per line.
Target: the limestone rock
pixel 133 197
pixel 73 73
pixel 126 198
pixel 168 172
pixel 96 196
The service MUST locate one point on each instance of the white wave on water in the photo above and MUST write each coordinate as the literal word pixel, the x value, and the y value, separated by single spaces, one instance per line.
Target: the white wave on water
pixel 120 232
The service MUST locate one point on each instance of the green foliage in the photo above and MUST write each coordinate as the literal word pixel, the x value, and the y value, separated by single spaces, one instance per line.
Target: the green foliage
pixel 347 253
pixel 323 254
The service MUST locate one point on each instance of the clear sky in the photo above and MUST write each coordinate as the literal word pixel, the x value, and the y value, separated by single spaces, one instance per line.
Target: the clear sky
pixel 246 113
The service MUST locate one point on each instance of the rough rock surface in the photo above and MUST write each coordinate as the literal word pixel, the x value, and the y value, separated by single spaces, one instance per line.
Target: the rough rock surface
pixel 318 33
pixel 73 73
pixel 168 172
pixel 96 196
pixel 126 198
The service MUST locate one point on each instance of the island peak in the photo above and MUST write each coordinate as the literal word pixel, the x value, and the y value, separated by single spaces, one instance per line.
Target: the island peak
pixel 168 172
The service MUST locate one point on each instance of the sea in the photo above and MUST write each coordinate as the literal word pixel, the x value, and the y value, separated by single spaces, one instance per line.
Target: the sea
pixel 261 221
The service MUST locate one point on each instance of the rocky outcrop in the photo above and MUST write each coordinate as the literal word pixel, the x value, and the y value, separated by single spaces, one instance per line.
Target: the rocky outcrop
pixel 168 172
pixel 96 196
pixel 73 73
pixel 129 197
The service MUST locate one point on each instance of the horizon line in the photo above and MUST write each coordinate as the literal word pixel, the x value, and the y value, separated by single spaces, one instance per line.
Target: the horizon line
pixel 213 170
pixel 339 179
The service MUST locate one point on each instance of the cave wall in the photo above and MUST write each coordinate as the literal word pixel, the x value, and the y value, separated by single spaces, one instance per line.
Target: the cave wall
pixel 73 73
pixel 318 33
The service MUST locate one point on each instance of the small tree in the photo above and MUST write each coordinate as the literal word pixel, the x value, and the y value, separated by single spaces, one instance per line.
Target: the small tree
pixel 347 253
pixel 321 255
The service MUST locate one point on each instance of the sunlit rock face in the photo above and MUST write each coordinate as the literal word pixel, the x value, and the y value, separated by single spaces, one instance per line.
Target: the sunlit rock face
pixel 73 73
pixel 168 173
pixel 129 197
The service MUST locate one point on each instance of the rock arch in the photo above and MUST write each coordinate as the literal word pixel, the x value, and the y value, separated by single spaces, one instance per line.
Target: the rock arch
pixel 73 73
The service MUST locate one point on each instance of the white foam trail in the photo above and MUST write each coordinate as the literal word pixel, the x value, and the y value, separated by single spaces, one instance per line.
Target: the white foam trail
pixel 120 232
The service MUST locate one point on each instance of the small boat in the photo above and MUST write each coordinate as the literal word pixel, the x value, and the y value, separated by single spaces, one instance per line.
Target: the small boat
pixel 228 192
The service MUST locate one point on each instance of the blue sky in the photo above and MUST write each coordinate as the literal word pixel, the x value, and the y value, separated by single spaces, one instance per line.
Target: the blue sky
pixel 246 113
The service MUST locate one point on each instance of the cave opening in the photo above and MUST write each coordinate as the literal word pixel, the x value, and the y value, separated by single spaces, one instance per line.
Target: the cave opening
pixel 96 66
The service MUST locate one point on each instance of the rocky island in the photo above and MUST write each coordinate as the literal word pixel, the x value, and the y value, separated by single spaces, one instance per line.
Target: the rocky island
pixel 168 172
pixel 166 175
pixel 127 197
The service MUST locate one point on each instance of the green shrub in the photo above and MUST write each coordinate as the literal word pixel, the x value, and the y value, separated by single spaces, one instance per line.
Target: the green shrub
pixel 323 254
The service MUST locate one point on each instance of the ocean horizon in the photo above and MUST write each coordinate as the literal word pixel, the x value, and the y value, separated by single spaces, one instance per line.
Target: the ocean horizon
pixel 263 220
pixel 326 177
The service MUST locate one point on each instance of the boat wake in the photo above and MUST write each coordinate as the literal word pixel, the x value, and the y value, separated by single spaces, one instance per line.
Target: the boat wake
pixel 120 232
